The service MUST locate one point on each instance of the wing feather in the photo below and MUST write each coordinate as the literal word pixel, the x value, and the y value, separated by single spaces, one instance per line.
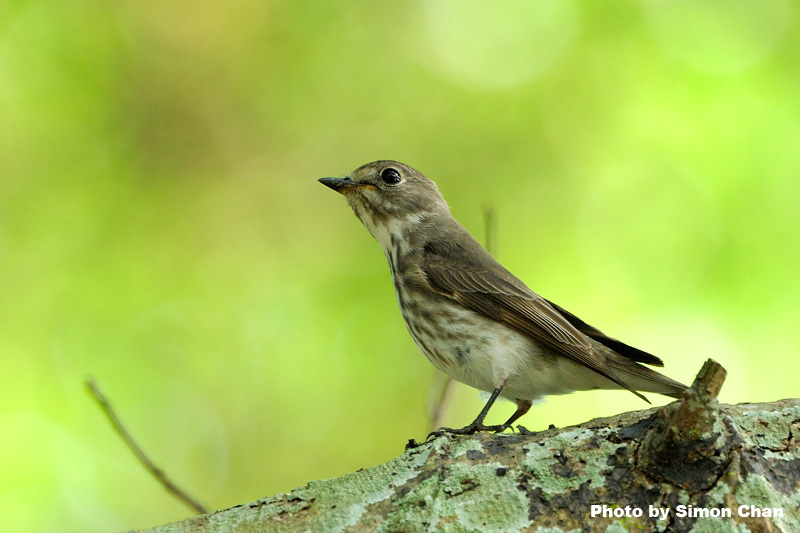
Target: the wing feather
pixel 634 354
pixel 497 294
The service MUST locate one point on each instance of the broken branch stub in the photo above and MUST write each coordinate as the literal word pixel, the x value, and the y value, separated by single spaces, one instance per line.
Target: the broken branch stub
pixel 690 443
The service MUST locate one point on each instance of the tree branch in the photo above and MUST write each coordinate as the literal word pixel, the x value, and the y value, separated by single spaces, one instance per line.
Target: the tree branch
pixel 686 462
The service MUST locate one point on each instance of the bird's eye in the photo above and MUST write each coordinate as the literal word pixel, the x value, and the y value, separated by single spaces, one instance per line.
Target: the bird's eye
pixel 391 176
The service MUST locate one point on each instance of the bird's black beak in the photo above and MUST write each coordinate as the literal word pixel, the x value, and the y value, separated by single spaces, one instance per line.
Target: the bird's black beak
pixel 340 185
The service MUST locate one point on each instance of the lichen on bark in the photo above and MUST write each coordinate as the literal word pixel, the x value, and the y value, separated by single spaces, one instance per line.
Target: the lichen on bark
pixel 692 452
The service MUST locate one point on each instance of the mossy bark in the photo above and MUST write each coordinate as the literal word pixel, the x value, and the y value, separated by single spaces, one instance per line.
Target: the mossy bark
pixel 692 453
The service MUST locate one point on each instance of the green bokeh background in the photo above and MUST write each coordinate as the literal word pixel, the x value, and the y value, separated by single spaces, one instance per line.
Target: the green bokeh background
pixel 161 227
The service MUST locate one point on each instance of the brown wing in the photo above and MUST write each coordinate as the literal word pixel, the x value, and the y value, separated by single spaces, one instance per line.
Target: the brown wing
pixel 634 354
pixel 473 278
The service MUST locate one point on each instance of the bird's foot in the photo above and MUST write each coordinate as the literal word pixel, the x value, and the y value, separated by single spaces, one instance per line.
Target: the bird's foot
pixel 467 430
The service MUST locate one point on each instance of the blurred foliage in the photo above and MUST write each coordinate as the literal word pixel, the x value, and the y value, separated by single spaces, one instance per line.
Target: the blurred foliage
pixel 161 227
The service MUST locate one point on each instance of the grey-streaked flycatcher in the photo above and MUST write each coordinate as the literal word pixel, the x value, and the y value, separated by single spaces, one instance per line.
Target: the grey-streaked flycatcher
pixel 472 318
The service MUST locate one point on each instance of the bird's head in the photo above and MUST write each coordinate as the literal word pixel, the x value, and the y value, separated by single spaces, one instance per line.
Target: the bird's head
pixel 390 198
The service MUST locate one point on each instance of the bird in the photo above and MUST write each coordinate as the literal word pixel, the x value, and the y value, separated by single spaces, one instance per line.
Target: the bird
pixel 473 319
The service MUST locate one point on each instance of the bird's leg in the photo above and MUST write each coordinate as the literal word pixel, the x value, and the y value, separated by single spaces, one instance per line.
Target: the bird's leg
pixel 477 424
pixel 522 407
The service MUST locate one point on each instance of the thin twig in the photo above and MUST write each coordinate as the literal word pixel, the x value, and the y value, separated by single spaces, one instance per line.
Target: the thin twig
pixel 490 227
pixel 161 477
pixel 439 393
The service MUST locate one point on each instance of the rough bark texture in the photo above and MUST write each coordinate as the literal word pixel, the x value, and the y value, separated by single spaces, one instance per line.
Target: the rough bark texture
pixel 692 452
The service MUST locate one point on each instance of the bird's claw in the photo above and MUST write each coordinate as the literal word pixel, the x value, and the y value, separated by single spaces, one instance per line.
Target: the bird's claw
pixel 466 430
